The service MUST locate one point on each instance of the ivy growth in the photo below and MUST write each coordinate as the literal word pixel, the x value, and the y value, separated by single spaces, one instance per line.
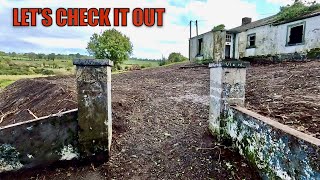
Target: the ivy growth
pixel 220 27
pixel 297 9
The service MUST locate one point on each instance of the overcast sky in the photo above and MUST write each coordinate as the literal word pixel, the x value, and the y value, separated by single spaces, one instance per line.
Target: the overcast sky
pixel 148 42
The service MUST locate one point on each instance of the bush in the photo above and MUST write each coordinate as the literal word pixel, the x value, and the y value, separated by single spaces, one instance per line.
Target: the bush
pixel 163 62
pixel 176 57
pixel 295 10
pixel 142 67
pixel 220 27
pixel 47 72
pixel 126 68
pixel 135 67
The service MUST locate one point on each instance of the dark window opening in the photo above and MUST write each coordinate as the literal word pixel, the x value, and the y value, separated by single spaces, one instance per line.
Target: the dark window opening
pixel 200 44
pixel 251 40
pixel 296 35
pixel 227 51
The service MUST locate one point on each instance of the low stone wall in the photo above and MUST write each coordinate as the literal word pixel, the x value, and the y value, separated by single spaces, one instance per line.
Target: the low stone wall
pixel 84 133
pixel 39 142
pixel 276 149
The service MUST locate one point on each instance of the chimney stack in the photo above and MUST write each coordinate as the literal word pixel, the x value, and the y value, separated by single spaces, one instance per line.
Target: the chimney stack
pixel 246 20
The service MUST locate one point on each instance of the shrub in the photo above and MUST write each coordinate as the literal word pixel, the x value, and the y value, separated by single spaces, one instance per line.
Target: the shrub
pixel 220 27
pixel 163 62
pixel 47 72
pixel 297 9
pixel 135 67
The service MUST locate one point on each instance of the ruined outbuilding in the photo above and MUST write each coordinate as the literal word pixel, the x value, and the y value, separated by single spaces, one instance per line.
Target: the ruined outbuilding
pixel 265 38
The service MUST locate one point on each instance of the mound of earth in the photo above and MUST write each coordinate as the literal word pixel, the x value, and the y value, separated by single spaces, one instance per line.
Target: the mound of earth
pixel 29 98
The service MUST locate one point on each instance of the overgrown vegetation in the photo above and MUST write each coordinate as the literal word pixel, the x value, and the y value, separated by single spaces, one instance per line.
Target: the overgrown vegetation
pixel 220 27
pixel 314 53
pixel 297 9
pixel 173 58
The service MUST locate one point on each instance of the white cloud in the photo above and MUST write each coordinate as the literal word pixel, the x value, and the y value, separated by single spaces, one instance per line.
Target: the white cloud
pixel 148 42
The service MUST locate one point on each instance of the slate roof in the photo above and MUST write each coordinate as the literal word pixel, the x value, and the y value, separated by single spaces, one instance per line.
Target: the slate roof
pixel 254 24
pixel 270 20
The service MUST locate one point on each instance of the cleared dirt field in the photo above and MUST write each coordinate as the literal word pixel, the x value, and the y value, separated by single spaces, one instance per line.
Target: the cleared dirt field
pixel 160 119
pixel 288 92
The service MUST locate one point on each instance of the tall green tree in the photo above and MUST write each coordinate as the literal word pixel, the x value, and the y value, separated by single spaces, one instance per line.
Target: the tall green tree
pixel 111 44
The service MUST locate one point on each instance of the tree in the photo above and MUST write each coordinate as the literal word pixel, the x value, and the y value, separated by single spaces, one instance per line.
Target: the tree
pixel 111 44
pixel 32 56
pixel 78 55
pixel 176 57
pixel 51 56
pixel 41 56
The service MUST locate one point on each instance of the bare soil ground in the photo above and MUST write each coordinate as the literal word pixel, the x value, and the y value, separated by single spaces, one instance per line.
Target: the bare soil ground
pixel 159 121
pixel 287 92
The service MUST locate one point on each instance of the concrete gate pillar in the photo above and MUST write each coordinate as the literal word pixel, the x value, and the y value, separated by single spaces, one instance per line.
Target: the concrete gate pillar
pixel 94 107
pixel 227 87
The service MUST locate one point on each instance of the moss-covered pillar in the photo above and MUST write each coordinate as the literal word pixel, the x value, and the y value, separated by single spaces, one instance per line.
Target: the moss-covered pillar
pixel 94 108
pixel 227 87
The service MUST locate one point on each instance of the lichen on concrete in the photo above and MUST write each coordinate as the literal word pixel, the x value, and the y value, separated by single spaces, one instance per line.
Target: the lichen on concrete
pixel 94 94
pixel 9 158
pixel 276 154
pixel 68 153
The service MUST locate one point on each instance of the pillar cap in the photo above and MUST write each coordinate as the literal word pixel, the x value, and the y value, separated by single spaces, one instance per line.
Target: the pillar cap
pixel 92 62
pixel 230 64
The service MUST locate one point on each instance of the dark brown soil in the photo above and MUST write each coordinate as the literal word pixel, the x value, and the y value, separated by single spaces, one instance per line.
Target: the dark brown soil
pixel 288 92
pixel 159 121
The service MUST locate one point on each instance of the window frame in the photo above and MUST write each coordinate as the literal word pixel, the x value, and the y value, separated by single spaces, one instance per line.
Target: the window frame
pixel 248 40
pixel 228 37
pixel 289 27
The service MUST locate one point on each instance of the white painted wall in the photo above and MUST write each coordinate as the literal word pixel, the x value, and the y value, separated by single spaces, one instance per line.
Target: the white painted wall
pixel 207 46
pixel 272 40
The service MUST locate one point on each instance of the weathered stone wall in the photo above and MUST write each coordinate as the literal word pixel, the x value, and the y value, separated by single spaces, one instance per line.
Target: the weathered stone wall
pixel 222 93
pixel 219 39
pixel 277 150
pixel 84 133
pixel 39 142
pixel 272 41
pixel 207 47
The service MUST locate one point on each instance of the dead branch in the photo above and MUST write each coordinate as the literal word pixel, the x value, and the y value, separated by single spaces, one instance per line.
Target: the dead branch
pixel 6 114
pixel 30 112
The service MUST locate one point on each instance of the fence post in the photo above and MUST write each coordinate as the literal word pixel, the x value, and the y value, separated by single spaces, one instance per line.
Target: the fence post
pixel 227 87
pixel 94 108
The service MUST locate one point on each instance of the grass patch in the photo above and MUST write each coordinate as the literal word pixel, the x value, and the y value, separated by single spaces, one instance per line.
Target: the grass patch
pixel 6 80
pixel 4 83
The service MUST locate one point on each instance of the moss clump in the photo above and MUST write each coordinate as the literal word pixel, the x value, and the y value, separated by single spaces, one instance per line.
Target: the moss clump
pixel 314 53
